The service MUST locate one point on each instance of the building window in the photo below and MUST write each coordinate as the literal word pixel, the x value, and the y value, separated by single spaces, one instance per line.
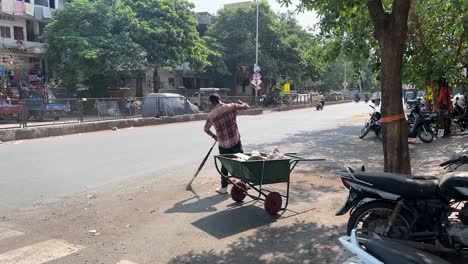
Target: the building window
pixel 18 33
pixel 42 3
pixel 5 32
pixel 52 3
pixel 6 17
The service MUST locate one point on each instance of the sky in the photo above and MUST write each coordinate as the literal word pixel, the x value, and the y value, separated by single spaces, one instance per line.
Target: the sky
pixel 307 19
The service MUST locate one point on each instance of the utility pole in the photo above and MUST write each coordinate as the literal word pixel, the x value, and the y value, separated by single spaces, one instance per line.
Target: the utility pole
pixel 345 83
pixel 256 56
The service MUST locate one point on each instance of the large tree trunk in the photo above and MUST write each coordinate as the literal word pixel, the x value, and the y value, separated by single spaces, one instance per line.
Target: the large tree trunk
pixel 390 30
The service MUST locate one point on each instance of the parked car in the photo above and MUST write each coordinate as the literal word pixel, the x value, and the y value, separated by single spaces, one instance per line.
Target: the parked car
pixel 9 111
pixel 167 104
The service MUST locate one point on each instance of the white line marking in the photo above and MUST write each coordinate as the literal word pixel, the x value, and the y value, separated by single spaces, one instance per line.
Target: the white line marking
pixel 39 253
pixel 125 262
pixel 7 233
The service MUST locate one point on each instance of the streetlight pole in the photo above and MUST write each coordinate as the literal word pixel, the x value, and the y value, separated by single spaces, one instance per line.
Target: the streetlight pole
pixel 256 55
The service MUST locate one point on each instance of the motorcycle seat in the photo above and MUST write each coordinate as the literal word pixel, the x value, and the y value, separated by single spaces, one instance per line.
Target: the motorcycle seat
pixel 391 252
pixel 408 186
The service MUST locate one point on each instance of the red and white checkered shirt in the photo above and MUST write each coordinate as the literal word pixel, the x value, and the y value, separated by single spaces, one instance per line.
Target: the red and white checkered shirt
pixel 223 118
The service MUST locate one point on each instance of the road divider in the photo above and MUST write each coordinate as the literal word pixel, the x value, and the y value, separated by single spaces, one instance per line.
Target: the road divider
pixel 296 107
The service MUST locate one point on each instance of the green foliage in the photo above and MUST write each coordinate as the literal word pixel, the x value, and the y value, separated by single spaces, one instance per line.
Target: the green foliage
pixel 437 44
pixel 89 41
pixel 287 53
pixel 105 43
pixel 166 30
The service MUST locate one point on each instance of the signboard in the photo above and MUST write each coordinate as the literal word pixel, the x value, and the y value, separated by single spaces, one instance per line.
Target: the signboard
pixel 287 87
pixel 256 84
pixel 257 68
pixel 430 93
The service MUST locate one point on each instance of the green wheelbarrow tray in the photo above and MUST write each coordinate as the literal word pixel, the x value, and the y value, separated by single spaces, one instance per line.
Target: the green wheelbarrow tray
pixel 258 173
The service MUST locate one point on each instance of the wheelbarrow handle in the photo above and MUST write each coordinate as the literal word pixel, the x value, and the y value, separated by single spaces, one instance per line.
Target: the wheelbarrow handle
pixel 297 158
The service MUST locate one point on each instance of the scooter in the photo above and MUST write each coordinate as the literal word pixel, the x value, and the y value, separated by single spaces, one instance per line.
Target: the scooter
pixel 379 250
pixel 319 106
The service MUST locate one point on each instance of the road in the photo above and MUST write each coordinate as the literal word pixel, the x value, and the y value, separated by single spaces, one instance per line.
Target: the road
pixel 119 196
pixel 44 169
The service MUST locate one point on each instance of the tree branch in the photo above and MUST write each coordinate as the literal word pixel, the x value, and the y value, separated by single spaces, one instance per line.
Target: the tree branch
pixel 400 9
pixel 459 48
pixel 400 12
pixel 377 15
pixel 418 30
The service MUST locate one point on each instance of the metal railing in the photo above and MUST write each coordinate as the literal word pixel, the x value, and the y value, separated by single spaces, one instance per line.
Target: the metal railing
pixel 44 112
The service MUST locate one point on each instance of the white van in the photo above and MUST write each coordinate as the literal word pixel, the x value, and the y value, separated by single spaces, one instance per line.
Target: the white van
pixel 200 98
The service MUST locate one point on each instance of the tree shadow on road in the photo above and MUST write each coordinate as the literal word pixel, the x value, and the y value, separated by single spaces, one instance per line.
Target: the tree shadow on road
pixel 341 147
pixel 300 242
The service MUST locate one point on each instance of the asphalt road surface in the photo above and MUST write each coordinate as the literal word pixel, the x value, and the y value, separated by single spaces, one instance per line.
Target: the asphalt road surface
pixel 44 169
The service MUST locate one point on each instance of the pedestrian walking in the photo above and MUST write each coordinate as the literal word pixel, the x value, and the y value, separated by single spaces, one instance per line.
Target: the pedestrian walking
pixel 223 117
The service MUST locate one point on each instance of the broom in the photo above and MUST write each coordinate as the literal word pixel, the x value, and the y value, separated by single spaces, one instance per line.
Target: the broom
pixel 189 185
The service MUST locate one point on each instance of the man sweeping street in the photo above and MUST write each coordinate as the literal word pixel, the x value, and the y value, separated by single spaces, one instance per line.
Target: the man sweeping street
pixel 224 119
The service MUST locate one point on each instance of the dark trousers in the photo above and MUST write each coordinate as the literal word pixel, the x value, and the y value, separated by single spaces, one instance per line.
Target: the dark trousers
pixel 233 150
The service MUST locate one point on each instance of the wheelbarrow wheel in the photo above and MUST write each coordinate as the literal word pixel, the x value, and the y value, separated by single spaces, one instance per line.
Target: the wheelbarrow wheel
pixel 273 203
pixel 237 192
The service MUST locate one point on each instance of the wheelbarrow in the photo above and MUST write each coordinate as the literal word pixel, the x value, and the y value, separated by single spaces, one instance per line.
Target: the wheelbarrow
pixel 253 175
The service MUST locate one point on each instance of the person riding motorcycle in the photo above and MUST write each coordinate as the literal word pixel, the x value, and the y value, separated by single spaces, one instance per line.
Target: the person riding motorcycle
pixel 357 98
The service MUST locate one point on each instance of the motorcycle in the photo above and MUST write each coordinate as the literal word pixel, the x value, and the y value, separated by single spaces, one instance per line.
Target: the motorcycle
pixel 425 212
pixel 459 117
pixel 357 99
pixel 372 124
pixel 421 124
pixel 319 106
pixel 366 100
pixel 379 250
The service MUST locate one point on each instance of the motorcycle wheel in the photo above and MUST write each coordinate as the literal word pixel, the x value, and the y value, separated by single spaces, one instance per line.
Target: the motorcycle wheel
pixel 365 131
pixel 425 136
pixel 373 217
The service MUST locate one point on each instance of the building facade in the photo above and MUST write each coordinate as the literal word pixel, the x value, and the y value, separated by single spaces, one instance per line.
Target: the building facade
pixel 22 25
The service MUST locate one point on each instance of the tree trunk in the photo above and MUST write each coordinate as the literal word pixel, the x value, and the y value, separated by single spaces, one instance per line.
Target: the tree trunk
pixel 155 81
pixel 390 30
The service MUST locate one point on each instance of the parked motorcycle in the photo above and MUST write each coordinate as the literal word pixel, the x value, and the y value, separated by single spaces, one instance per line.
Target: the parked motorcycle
pixel 379 250
pixel 421 124
pixel 372 124
pixel 459 117
pixel 427 213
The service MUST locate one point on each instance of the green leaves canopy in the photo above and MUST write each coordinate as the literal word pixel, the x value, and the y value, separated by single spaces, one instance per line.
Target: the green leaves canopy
pixel 104 43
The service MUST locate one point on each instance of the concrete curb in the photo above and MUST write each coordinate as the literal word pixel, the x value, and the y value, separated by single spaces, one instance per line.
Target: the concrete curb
pixel 68 129
pixel 296 107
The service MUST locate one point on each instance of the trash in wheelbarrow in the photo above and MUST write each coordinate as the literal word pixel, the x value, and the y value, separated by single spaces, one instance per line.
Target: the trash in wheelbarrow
pixel 252 175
